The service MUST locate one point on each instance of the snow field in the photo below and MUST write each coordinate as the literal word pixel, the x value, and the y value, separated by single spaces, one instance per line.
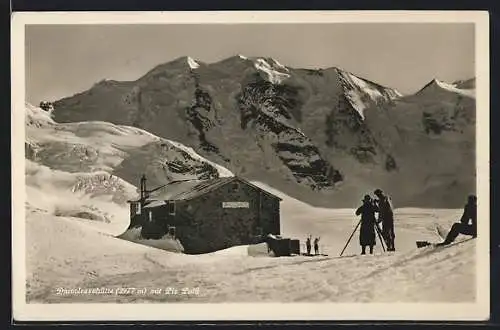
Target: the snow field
pixel 81 256
pixel 103 145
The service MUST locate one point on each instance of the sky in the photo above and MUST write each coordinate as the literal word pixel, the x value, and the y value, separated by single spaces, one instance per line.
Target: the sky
pixel 62 60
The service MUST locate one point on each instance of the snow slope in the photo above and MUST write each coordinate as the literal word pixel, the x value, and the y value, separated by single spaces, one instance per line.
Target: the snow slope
pixel 192 63
pixel 121 150
pixel 469 84
pixel 96 199
pixel 70 253
pixel 275 71
pixel 80 257
pixel 454 88
pixel 363 94
pixel 463 88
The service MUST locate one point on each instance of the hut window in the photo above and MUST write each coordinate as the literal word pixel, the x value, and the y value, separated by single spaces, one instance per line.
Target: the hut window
pixel 150 216
pixel 235 186
pixel 171 231
pixel 171 208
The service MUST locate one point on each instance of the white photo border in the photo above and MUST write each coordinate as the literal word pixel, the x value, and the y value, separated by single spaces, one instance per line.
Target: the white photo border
pixel 249 311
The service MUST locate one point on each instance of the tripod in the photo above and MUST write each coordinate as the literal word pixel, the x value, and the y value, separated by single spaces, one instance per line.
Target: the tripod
pixel 377 229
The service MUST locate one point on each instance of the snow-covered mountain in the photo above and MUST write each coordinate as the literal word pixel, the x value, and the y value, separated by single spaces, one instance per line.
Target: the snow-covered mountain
pixel 275 71
pixel 432 135
pixel 324 136
pixel 229 112
pixel 466 84
pixel 104 148
pixel 435 86
pixel 362 94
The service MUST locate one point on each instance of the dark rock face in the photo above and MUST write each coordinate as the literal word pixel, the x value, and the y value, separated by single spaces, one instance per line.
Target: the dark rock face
pixel 347 132
pixel 47 106
pixel 199 115
pixel 319 135
pixel 267 110
pixel 390 164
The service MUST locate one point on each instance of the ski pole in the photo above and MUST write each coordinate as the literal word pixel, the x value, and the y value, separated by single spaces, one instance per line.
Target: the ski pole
pixel 380 236
pixel 350 238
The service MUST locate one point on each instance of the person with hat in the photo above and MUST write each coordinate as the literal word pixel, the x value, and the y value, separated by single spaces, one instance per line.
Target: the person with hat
pixel 367 229
pixel 316 246
pixel 308 245
pixel 386 216
pixel 464 227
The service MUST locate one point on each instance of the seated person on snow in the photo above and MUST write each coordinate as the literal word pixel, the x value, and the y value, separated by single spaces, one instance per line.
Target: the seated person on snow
pixel 463 227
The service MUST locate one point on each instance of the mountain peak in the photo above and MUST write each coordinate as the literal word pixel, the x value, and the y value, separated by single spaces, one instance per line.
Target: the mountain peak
pixel 436 82
pixel 192 63
pixel 363 93
pixel 439 85
pixel 183 63
pixel 275 71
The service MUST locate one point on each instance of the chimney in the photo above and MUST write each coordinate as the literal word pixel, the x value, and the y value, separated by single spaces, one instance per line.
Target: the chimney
pixel 143 187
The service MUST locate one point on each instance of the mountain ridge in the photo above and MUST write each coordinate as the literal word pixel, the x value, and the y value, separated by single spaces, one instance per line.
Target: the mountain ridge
pixel 324 136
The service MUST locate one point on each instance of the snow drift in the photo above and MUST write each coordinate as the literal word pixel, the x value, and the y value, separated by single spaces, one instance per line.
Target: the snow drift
pixel 98 199
pixel 166 242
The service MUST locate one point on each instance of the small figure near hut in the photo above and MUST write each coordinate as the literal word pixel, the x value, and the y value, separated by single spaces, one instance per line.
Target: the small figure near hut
pixel 308 245
pixel 367 230
pixel 316 246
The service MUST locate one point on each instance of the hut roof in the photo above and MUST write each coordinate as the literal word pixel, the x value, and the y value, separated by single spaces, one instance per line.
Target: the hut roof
pixel 189 189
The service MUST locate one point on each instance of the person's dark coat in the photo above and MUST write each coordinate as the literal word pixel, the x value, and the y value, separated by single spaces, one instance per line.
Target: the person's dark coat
pixel 470 213
pixel 367 229
pixel 463 227
pixel 316 245
pixel 386 216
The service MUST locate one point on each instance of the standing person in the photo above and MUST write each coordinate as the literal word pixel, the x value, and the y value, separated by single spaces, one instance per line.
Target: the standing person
pixel 316 246
pixel 308 245
pixel 367 230
pixel 463 227
pixel 386 216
